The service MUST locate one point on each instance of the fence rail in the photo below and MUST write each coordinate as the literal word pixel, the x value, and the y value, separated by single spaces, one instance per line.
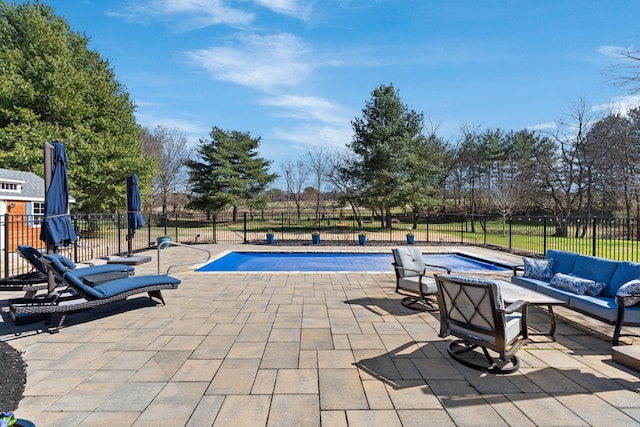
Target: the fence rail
pixel 101 235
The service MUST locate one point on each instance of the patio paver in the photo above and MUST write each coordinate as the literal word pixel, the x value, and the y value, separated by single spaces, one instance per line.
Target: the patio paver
pixel 313 349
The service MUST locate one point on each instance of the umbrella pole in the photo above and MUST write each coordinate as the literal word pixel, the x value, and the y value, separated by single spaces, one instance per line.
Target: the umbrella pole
pixel 48 174
pixel 130 243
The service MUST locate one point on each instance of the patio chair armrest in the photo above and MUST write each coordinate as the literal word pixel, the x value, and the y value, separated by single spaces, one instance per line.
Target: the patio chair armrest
pixel 438 266
pixel 419 273
pixel 515 306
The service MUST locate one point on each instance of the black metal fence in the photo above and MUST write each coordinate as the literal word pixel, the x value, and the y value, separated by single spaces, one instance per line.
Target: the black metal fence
pixel 101 235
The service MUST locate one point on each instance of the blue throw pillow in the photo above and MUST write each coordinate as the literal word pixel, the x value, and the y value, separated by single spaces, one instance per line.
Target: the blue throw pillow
pixel 597 289
pixel 541 269
pixel 628 291
pixel 567 282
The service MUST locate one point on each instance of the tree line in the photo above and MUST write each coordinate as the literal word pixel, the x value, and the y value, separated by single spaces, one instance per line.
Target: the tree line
pixel 585 166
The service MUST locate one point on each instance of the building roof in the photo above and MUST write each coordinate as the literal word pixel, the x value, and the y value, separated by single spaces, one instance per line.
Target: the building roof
pixel 32 185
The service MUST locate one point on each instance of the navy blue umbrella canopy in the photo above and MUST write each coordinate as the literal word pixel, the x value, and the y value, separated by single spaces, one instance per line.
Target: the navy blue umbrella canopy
pixel 57 229
pixel 134 218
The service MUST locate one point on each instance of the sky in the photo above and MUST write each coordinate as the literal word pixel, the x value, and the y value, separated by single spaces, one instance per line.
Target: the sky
pixel 297 72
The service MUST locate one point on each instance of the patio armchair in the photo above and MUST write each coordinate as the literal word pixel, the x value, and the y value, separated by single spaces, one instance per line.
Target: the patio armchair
pixel 472 310
pixel 412 278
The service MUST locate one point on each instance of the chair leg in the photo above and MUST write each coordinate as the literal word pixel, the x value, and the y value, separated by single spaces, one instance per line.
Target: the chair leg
pixel 493 367
pixel 419 304
pixel 157 295
pixel 55 321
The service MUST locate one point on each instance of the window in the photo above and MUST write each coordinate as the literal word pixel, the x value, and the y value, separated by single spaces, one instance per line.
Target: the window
pixel 38 213
pixel 13 187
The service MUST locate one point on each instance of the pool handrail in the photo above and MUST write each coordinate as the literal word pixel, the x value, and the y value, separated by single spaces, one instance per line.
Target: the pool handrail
pixel 168 243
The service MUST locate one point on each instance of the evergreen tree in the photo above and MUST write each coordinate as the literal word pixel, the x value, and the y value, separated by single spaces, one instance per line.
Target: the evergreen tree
pixel 228 172
pixel 394 164
pixel 52 87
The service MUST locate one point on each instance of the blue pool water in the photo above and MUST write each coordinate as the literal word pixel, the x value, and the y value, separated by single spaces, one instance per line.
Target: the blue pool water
pixel 335 262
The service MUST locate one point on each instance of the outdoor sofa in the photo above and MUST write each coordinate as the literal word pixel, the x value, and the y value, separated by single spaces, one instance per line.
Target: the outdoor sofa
pixel 603 289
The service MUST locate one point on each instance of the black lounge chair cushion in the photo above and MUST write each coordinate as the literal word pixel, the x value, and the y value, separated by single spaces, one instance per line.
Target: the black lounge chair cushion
pixel 118 286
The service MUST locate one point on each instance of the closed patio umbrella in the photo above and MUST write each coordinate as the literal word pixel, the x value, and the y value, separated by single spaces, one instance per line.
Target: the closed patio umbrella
pixel 57 229
pixel 134 218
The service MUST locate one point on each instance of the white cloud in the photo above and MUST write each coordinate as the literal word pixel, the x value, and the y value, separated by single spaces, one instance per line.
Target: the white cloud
pixel 193 131
pixel 309 108
pixel 614 51
pixel 189 14
pixel 308 136
pixel 619 104
pixel 543 126
pixel 262 62
pixel 295 8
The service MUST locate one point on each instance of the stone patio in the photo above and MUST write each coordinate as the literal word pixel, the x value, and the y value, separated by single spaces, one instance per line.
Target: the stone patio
pixel 304 349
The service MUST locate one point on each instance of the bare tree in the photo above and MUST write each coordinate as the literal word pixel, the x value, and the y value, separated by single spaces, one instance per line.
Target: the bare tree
pixel 345 183
pixel 295 176
pixel 505 195
pixel 626 73
pixel 170 149
pixel 318 163
pixel 567 176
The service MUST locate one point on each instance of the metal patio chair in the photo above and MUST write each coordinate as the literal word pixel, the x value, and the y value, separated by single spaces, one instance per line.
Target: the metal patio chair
pixel 472 310
pixel 412 278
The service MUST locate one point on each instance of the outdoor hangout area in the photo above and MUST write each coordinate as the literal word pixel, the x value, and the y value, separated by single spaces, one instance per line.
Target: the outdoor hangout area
pixel 322 348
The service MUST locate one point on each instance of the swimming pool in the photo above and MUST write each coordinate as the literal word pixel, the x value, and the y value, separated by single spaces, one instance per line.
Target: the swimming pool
pixel 338 262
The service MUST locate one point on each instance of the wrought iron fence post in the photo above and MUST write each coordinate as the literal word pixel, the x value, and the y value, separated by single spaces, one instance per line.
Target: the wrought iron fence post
pixel 244 236
pixel 175 218
pixel 215 221
pixel 544 235
pixel 510 233
pixel 149 230
pixel 282 225
pixel 427 227
pixel 75 244
pixel 484 229
pixel 119 232
pixel 593 237
pixel 6 245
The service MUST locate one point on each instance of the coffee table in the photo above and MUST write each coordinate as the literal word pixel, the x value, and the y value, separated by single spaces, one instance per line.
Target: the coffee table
pixel 511 292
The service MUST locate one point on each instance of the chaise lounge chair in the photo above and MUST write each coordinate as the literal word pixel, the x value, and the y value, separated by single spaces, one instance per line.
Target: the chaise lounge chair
pixel 92 275
pixel 80 295
pixel 412 278
pixel 37 279
pixel 31 281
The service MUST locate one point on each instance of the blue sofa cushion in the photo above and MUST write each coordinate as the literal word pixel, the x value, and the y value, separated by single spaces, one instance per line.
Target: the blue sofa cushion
pixel 596 269
pixel 554 292
pixel 532 284
pixel 626 271
pixel 562 261
pixel 541 269
pixel 571 283
pixel 630 291
pixel 602 307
